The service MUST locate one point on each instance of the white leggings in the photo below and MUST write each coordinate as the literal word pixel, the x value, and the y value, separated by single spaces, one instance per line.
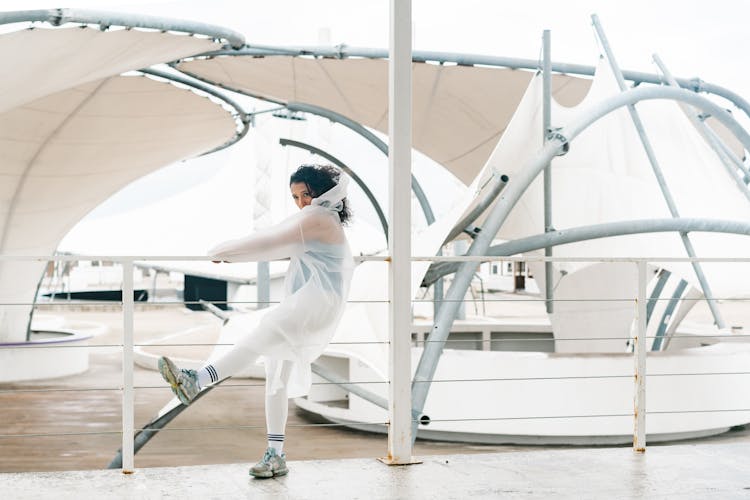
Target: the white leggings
pixel 242 355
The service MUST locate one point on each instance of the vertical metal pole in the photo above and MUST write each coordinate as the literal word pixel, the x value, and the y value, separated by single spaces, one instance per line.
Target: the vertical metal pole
pixel 546 126
pixel 726 155
pixel 399 240
pixel 263 285
pixel 639 353
pixel 128 426
pixel 718 319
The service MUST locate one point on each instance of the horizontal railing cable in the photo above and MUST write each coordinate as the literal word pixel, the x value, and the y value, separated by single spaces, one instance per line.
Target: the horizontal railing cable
pixel 384 423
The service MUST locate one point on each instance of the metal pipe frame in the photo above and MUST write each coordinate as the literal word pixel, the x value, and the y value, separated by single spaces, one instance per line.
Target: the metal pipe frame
pixel 656 292
pixel 370 137
pixel 661 331
pixel 730 155
pixel 243 117
pixel 727 157
pixel 557 142
pixel 498 182
pixel 344 51
pixel 597 231
pixel 105 19
pixel 352 387
pixel 666 193
pixel 546 129
pixel 335 117
pixel 349 171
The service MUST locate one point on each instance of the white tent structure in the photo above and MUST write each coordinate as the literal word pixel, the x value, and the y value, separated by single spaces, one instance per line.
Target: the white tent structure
pixel 455 127
pixel 89 130
pixel 604 177
pixel 74 131
pixel 464 122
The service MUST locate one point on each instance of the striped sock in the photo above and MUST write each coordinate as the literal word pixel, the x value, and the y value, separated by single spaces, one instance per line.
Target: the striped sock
pixel 276 441
pixel 207 376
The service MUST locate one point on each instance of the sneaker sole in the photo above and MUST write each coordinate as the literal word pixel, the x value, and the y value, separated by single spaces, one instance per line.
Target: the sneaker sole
pixel 260 475
pixel 281 472
pixel 169 373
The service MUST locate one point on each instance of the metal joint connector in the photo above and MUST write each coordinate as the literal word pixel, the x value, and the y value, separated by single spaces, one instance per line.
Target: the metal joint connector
pixel 696 84
pixel 554 134
pixel 340 51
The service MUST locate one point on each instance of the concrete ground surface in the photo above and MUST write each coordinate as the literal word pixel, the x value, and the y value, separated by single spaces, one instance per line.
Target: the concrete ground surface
pixel 718 471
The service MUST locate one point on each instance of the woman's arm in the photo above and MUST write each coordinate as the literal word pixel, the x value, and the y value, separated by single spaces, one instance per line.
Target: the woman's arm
pixel 273 243
pixel 283 240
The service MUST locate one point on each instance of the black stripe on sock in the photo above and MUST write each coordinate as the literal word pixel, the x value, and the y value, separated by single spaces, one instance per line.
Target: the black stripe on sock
pixel 212 373
pixel 276 437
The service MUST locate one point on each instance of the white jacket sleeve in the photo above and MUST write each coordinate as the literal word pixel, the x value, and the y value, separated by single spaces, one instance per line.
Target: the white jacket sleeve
pixel 281 241
pixel 273 243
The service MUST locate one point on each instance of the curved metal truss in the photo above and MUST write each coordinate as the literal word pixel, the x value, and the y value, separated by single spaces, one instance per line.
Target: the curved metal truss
pixel 241 116
pixel 104 19
pixel 423 56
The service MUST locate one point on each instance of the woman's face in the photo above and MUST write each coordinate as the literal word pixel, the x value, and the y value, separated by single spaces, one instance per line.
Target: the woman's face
pixel 301 194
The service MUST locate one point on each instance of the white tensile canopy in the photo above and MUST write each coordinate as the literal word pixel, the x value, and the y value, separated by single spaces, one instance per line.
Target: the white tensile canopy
pixel 607 177
pixel 46 60
pixel 459 112
pixel 73 132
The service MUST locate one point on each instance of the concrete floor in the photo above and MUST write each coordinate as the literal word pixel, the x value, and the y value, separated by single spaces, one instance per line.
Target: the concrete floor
pixel 703 471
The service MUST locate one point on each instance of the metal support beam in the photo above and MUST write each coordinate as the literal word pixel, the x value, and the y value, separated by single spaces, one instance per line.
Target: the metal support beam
pixel 357 179
pixel 399 242
pixel 343 52
pixel 242 116
pixel 510 196
pixel 596 231
pixel 372 139
pixel 496 184
pixel 730 155
pixel 448 312
pixel 546 130
pixel 661 331
pixel 58 17
pixel 697 268
pixel 351 387
pixel 726 155
pixel 656 293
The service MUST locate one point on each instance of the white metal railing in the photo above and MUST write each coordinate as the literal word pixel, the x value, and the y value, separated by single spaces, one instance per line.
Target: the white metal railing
pixel 639 351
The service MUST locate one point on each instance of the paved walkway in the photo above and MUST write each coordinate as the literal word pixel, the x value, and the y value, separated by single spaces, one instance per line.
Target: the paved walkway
pixel 702 471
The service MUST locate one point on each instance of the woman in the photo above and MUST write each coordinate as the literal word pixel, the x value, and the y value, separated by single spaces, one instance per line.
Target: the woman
pixel 291 335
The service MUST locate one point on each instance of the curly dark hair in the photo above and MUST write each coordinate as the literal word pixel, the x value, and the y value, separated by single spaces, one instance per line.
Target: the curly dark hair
pixel 319 179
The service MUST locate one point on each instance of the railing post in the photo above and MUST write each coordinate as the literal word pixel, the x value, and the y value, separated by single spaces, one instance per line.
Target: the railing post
pixel 639 354
pixel 399 240
pixel 128 426
pixel 546 129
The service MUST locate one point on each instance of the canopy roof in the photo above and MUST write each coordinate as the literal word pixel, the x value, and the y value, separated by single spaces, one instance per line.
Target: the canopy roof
pixel 73 132
pixel 459 112
pixel 46 60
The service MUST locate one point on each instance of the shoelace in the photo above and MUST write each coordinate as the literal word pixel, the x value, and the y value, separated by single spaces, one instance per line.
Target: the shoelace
pixel 267 457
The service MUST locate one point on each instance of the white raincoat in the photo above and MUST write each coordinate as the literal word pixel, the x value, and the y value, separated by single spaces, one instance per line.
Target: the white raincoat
pixel 316 287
